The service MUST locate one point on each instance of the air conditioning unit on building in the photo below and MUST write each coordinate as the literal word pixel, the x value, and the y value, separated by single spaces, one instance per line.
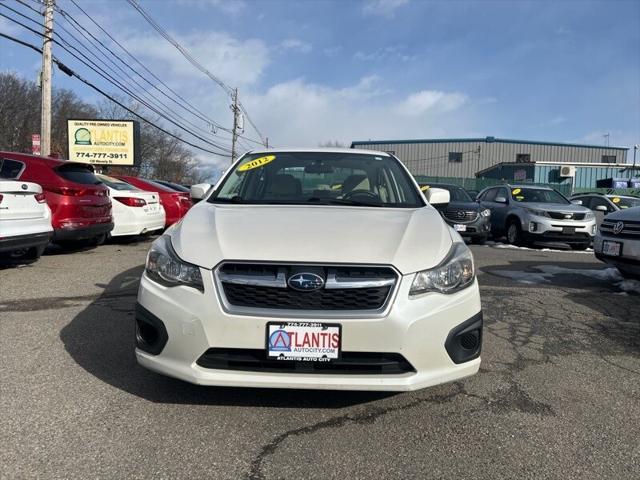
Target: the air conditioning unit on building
pixel 567 171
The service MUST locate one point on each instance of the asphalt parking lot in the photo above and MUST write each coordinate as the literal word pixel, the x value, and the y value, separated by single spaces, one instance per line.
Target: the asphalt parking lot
pixel 556 396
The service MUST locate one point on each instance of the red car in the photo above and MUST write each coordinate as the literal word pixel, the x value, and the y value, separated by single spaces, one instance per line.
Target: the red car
pixel 176 204
pixel 80 204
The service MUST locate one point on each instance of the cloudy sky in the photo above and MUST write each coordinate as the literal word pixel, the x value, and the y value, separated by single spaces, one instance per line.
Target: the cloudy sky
pixel 316 71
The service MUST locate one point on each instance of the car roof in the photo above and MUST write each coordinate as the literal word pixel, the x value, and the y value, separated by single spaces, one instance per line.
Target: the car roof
pixel 359 151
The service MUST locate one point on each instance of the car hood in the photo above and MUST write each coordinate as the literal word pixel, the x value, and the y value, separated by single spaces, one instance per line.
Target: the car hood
pixel 626 214
pixel 464 206
pixel 408 239
pixel 555 207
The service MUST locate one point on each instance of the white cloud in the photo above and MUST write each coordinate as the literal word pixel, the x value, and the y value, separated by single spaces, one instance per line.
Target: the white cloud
pixel 383 8
pixel 418 103
pixel 230 7
pixel 298 113
pixel 238 62
pixel 391 52
pixel 8 27
pixel 296 45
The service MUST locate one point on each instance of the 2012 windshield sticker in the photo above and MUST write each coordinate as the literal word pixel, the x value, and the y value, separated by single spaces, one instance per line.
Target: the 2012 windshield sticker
pixel 256 163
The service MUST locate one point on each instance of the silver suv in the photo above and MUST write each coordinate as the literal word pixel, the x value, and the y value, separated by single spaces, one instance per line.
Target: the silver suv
pixel 528 214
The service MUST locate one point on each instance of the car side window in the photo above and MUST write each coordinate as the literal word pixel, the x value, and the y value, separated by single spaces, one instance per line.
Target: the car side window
pixel 10 169
pixel 489 195
pixel 503 192
pixel 598 201
pixel 586 201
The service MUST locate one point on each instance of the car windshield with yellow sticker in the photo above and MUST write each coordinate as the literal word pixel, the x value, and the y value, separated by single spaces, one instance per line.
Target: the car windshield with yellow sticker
pixel 537 195
pixel 625 202
pixel 320 178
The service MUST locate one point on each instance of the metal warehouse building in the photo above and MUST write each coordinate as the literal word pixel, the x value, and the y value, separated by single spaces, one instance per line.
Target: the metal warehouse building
pixel 464 157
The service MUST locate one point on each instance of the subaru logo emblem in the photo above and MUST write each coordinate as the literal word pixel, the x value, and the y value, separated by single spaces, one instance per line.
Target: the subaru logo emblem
pixel 618 227
pixel 305 282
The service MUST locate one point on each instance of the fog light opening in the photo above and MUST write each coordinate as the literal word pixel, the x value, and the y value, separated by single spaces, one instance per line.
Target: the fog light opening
pixel 146 333
pixel 533 226
pixel 469 340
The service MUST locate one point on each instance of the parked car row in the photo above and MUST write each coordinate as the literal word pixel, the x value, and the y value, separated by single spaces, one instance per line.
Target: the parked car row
pixel 46 200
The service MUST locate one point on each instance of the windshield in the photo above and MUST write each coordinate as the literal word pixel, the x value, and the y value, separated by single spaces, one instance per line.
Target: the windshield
pixel 457 194
pixel 115 183
pixel 303 178
pixel 625 202
pixel 537 195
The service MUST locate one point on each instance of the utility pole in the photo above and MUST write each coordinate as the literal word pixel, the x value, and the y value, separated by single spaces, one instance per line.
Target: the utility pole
pixel 234 135
pixel 45 80
pixel 478 159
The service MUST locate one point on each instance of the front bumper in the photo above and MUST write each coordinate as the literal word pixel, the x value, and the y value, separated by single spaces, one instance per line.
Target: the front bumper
pixel 419 329
pixel 479 228
pixel 628 261
pixel 544 229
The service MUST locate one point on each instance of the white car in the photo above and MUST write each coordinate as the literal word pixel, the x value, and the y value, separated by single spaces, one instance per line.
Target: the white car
pixel 25 220
pixel 618 241
pixel 135 212
pixel 315 269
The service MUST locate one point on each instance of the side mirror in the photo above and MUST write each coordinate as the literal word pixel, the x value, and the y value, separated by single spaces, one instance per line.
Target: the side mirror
pixel 199 191
pixel 601 208
pixel 576 202
pixel 500 199
pixel 438 196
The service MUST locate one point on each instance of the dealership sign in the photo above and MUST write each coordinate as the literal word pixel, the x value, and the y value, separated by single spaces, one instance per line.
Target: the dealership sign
pixel 103 142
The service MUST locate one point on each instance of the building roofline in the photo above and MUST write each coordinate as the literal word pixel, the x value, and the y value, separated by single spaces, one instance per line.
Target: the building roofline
pixel 356 143
pixel 623 166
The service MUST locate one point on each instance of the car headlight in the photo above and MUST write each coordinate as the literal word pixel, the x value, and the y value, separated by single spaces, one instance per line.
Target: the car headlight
pixel 165 267
pixel 452 275
pixel 537 213
pixel 589 215
pixel 486 212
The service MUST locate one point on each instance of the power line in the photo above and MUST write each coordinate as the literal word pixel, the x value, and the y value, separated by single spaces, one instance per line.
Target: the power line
pixel 192 109
pixel 71 73
pixel 109 79
pixel 229 90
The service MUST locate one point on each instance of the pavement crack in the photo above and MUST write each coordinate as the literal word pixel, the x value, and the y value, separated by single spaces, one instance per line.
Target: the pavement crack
pixel 368 416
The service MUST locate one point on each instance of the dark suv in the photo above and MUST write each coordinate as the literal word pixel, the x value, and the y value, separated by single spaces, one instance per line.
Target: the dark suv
pixel 466 216
pixel 79 202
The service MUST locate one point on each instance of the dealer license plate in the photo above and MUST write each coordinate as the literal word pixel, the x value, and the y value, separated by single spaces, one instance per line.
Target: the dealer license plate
pixel 303 341
pixel 460 228
pixel 568 230
pixel 612 249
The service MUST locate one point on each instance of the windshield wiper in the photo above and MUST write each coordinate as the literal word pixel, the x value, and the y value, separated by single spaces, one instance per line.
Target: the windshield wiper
pixel 341 201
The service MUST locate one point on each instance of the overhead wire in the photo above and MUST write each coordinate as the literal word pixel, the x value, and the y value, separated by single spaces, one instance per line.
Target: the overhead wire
pixel 229 90
pixel 110 79
pixel 71 73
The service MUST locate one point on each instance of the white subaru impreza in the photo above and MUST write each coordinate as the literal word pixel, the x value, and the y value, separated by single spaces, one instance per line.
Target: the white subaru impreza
pixel 319 269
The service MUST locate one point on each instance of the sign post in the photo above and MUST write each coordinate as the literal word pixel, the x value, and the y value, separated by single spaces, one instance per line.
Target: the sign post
pixel 103 142
pixel 35 144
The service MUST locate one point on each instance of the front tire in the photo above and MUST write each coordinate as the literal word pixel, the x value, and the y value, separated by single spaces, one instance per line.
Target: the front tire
pixel 514 233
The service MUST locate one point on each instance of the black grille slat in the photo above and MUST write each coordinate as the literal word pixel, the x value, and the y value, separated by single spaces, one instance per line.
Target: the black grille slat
pixel 562 216
pixel 255 360
pixel 288 299
pixel 256 285
pixel 460 215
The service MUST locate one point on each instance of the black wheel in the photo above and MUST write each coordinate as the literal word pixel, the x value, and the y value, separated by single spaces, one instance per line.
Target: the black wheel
pixel 100 239
pixel 514 233
pixel 579 246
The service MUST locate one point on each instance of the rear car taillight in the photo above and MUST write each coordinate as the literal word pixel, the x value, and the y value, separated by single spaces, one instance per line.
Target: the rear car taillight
pixel 78 191
pixel 0 198
pixel 131 201
pixel 40 198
